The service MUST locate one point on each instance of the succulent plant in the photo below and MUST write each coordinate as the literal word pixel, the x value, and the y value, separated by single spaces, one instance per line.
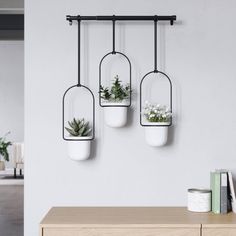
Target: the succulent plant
pixel 117 92
pixel 78 128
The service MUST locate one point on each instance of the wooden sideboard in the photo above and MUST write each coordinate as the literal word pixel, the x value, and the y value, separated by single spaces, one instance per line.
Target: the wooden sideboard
pixel 135 221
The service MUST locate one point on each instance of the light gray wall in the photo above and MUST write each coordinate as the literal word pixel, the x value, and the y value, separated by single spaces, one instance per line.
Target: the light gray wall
pixel 12 4
pixel 12 91
pixel 198 53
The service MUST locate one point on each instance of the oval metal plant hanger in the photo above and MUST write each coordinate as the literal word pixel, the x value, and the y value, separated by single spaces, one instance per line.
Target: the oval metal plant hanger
pixel 156 133
pixel 115 113
pixel 78 147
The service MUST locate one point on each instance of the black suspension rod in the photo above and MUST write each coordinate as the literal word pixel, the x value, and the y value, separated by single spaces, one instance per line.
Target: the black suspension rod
pixel 155 46
pixel 123 18
pixel 113 36
pixel 79 84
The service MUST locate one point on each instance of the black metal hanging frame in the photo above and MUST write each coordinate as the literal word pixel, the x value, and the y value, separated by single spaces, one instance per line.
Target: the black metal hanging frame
pixel 80 86
pixel 114 52
pixel 155 18
pixel 115 18
pixel 155 71
pixel 171 19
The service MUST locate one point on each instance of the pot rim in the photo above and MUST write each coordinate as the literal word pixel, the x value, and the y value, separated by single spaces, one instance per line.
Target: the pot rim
pixel 78 138
pixel 199 190
pixel 156 123
pixel 116 103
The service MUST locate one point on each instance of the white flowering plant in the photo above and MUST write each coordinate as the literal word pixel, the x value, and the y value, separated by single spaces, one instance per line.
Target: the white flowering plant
pixel 157 112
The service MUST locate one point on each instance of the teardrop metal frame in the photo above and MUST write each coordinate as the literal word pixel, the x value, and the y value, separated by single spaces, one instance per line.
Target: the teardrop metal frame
pixel 63 116
pixel 79 85
pixel 155 71
pixel 114 52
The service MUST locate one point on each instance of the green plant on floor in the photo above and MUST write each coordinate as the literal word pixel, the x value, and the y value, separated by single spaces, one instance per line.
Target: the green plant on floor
pixel 78 128
pixel 4 147
pixel 117 93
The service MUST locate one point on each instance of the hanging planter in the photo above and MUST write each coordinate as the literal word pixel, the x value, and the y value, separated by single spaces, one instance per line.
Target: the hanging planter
pixel 154 117
pixel 79 139
pixel 156 136
pixel 158 118
pixel 115 99
pixel 78 126
pixel 115 116
pixel 79 151
pixel 115 102
pixel 77 131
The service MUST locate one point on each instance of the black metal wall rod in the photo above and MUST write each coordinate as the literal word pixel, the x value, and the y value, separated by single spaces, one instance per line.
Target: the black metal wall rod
pixel 122 18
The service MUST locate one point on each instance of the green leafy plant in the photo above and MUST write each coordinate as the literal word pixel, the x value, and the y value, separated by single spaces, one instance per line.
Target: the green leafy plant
pixel 117 93
pixel 4 147
pixel 78 128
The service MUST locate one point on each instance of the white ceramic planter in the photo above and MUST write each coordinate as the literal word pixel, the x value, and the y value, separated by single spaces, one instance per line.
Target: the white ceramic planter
pixel 79 150
pixel 156 136
pixel 115 117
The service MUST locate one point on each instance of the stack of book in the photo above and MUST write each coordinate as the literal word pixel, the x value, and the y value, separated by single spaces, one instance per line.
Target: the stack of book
pixel 223 194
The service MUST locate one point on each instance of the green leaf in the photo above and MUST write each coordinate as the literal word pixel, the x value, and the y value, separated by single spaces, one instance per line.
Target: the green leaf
pixel 71 132
pixel 87 132
pixel 81 131
pixel 71 124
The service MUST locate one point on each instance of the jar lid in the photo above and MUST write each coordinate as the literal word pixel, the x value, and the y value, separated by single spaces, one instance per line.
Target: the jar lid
pixel 195 190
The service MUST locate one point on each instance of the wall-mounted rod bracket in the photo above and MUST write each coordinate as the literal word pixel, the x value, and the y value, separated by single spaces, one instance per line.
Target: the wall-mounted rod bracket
pixel 171 19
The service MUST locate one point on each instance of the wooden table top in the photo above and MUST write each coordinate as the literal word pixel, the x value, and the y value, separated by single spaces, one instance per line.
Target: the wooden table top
pixel 134 217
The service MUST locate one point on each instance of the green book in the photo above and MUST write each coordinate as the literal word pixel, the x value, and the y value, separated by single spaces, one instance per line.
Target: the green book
pixel 215 188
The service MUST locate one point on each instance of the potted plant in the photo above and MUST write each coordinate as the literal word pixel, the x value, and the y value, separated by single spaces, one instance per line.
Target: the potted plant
pixel 157 118
pixel 79 139
pixel 115 100
pixel 4 151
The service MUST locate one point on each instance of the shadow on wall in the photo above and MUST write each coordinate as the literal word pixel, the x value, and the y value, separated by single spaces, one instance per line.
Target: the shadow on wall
pixel 94 146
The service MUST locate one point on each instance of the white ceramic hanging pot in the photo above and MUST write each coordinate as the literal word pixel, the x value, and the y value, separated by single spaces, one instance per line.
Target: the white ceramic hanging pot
pixel 79 150
pixel 156 136
pixel 115 117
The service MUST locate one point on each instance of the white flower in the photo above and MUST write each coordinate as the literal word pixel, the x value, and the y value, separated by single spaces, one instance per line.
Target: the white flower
pixel 156 112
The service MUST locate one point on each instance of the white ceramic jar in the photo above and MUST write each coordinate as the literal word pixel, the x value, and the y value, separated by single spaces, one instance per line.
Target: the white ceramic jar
pixel 199 200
